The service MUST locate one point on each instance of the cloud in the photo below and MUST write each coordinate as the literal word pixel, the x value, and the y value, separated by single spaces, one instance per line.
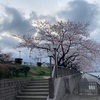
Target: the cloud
pixel 15 23
pixel 96 34
pixel 33 15
pixel 83 11
pixel 7 41
pixel 48 18
pixel 79 10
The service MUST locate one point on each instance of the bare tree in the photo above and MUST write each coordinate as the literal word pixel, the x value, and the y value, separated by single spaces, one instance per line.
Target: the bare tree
pixel 74 46
pixel 5 56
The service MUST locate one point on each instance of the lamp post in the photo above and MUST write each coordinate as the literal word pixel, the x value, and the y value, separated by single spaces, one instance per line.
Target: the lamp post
pixel 55 54
pixel 50 55
pixel 19 54
pixel 51 81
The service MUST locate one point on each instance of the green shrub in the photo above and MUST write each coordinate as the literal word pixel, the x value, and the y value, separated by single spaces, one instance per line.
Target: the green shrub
pixel 7 73
pixel 24 69
pixel 14 71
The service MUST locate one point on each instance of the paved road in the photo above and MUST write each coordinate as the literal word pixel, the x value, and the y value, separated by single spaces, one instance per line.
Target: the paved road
pixel 85 77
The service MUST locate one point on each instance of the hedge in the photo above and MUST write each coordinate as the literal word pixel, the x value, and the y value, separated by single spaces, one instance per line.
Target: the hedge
pixel 7 71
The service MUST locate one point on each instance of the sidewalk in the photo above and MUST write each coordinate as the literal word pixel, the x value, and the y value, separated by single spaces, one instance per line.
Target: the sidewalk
pixel 75 95
pixel 81 97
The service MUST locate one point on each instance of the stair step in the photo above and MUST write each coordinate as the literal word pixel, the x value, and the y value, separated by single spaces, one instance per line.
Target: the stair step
pixel 34 93
pixel 37 84
pixel 35 90
pixel 31 97
pixel 36 87
pixel 39 79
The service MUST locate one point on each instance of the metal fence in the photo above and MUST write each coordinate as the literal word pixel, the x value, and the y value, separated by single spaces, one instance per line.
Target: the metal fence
pixel 88 88
pixel 63 71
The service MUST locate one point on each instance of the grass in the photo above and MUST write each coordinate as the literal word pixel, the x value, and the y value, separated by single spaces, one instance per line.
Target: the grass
pixel 39 72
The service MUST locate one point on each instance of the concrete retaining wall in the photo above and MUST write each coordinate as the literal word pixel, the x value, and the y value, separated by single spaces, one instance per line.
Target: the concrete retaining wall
pixel 65 85
pixel 10 87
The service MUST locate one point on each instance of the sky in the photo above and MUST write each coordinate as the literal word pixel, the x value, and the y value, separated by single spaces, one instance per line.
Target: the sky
pixel 16 17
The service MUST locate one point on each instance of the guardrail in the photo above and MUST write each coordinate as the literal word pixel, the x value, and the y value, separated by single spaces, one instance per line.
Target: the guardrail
pixel 61 71
pixel 88 88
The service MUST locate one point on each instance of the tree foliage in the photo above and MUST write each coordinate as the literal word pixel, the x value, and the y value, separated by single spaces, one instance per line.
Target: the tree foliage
pixel 75 48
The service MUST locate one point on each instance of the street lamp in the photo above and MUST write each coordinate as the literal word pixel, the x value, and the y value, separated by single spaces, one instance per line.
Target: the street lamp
pixel 55 54
pixel 50 55
pixel 19 54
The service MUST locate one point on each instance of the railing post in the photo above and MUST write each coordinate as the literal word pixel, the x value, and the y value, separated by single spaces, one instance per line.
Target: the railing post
pixel 51 88
pixel 56 67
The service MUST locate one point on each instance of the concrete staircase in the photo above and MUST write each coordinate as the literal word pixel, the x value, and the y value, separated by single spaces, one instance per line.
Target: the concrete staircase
pixel 36 89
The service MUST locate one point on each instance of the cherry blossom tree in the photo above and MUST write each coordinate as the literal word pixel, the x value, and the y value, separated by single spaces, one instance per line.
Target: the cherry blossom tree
pixel 75 48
